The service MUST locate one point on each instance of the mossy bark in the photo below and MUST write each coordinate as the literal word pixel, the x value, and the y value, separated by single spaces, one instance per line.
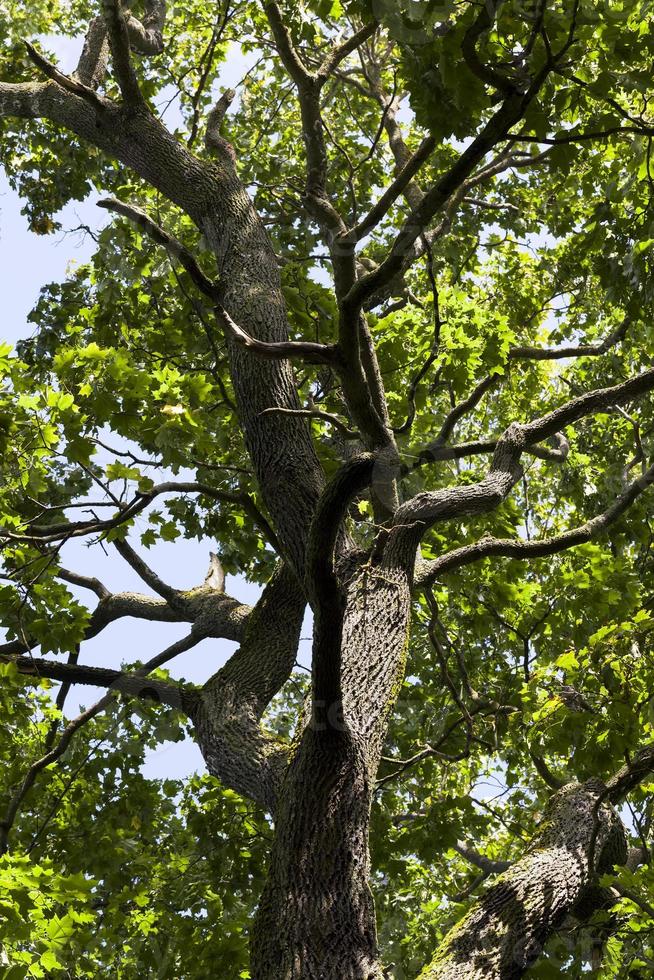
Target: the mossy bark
pixel 505 932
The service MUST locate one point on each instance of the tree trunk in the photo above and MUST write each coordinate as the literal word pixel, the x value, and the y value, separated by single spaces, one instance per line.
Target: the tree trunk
pixel 504 933
pixel 316 919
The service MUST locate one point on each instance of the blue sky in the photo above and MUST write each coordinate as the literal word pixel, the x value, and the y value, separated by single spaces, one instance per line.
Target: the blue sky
pixel 28 262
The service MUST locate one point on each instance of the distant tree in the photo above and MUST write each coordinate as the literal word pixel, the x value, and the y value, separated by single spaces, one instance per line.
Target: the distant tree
pixel 378 322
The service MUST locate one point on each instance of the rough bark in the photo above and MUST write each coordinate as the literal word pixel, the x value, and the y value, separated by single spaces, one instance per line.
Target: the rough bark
pixel 228 713
pixel 316 917
pixel 504 933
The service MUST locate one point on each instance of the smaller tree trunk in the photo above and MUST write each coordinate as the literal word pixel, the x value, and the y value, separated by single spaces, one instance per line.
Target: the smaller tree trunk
pixel 504 933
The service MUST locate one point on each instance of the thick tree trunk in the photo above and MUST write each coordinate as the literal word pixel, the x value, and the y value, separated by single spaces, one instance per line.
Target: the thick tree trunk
pixel 504 933
pixel 316 919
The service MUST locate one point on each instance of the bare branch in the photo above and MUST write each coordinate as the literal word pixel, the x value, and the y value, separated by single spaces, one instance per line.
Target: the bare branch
pixel 213 139
pixel 64 81
pixel 85 582
pixel 117 680
pixel 92 66
pixel 308 351
pixel 314 413
pixel 481 447
pixel 145 573
pixel 215 577
pixel 119 42
pixel 489 547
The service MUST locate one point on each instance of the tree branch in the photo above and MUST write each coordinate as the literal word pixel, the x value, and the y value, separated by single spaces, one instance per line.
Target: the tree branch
pixel 119 43
pixel 290 58
pixel 92 66
pixel 480 860
pixel 578 350
pixel 324 589
pixel 49 533
pixel 489 547
pixel 135 685
pixel 146 36
pixel 145 573
pixel 495 130
pixel 341 51
pixel 228 714
pixel 481 25
pixel 85 582
pixel 64 81
pixel 379 211
pixel 425 509
pixel 314 413
pixel 631 775
pixel 311 352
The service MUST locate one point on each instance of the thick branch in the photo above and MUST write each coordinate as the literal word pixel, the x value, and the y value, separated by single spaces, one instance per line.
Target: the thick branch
pixel 489 547
pixel 631 775
pixel 228 714
pixel 324 588
pixel 92 66
pixel 117 680
pixel 425 509
pixel 507 928
pixel 119 42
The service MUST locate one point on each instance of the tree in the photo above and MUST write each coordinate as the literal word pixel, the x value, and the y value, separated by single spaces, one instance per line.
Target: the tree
pixel 382 331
